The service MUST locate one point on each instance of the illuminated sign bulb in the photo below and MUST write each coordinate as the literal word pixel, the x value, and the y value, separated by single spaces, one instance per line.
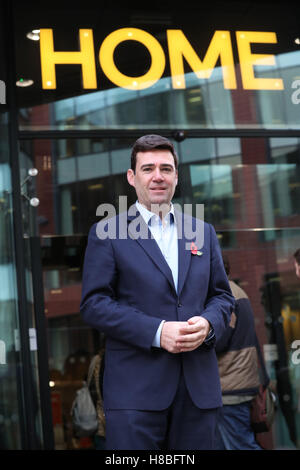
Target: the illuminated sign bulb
pixel 34 35
pixel 24 82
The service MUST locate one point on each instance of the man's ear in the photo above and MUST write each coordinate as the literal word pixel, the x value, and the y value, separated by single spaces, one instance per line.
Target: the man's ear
pixel 130 177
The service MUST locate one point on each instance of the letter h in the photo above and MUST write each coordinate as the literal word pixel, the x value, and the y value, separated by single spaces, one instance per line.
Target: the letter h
pixel 85 57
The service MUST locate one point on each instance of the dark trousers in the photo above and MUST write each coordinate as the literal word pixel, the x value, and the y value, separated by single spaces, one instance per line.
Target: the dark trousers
pixel 182 426
pixel 234 430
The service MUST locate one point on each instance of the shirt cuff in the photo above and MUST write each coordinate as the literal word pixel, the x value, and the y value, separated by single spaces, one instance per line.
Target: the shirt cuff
pixel 210 338
pixel 156 341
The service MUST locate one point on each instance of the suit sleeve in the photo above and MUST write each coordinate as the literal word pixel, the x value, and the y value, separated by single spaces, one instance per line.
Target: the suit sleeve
pixel 100 306
pixel 220 301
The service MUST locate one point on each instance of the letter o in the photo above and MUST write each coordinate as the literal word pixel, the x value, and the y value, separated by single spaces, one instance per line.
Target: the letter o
pixel 106 58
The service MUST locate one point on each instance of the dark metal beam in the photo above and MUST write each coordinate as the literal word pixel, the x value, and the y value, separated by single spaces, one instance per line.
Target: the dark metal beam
pixel 134 133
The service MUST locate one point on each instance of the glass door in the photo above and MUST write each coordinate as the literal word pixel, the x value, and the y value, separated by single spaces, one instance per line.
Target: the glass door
pixel 250 189
pixel 11 403
pixel 70 178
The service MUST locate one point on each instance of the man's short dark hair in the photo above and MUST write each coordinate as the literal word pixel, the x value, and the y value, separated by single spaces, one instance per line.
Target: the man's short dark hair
pixel 297 256
pixel 152 142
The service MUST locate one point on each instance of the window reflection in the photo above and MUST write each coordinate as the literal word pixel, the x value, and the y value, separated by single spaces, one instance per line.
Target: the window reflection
pixel 202 104
pixel 253 206
pixel 75 176
pixel 10 384
pixel 213 184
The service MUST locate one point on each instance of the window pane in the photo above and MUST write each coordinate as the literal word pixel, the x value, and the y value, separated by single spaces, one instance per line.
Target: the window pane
pixel 10 396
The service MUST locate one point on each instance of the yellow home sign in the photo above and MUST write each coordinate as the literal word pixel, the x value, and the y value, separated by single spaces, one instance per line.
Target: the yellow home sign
pixel 179 48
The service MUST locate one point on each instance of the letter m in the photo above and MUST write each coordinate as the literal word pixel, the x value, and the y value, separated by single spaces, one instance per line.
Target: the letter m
pixel 220 46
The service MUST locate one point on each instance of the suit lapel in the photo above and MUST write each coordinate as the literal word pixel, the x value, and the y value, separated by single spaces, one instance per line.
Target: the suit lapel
pixel 184 255
pixel 149 245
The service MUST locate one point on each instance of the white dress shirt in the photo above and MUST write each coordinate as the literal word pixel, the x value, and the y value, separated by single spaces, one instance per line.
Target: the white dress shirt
pixel 164 233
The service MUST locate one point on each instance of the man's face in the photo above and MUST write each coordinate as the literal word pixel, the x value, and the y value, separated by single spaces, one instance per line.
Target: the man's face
pixel 297 269
pixel 155 177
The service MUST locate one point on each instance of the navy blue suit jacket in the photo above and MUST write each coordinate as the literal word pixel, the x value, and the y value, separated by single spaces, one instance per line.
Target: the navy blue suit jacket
pixel 128 290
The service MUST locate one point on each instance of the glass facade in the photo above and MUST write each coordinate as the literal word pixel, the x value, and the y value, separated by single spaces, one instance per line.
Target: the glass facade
pixel 10 392
pixel 200 105
pixel 253 204
pixel 223 84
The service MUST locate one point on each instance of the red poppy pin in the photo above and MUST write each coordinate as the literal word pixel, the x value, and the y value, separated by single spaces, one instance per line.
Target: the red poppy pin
pixel 194 250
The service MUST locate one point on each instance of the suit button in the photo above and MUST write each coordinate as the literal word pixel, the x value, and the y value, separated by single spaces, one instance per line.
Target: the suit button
pixel 179 304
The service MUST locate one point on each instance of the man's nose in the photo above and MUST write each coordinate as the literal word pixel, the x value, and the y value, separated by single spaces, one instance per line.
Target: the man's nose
pixel 158 176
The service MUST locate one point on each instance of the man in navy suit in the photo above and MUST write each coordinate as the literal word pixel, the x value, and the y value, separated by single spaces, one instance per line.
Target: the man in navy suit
pixel 162 301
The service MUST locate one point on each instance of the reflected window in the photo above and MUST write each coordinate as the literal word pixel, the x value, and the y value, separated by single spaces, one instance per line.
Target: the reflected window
pixel 212 185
